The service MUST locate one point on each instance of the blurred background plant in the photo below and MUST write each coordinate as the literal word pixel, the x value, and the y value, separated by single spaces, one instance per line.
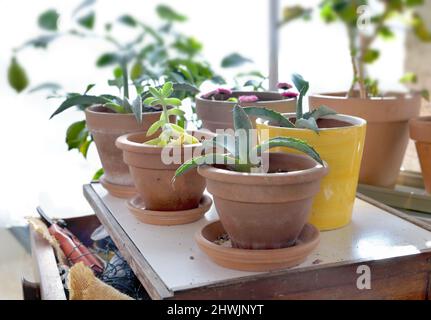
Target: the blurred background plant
pixel 153 55
pixel 364 22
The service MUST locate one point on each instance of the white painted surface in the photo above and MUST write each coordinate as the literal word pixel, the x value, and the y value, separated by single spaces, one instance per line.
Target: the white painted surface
pixel 373 234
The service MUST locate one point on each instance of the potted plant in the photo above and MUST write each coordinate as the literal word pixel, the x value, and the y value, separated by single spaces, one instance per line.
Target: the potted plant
pixel 420 131
pixel 215 108
pixel 263 200
pixel 339 139
pixel 153 161
pixel 387 113
pixel 107 118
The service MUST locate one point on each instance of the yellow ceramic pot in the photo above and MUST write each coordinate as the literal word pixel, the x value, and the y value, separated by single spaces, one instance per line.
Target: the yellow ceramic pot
pixel 341 147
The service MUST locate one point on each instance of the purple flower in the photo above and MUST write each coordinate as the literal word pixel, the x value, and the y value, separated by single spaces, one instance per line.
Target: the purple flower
pixel 284 85
pixel 289 94
pixel 224 91
pixel 250 98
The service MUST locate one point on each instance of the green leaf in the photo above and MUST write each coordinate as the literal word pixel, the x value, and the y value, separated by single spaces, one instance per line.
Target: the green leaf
pixel 208 159
pixel 128 20
pixel 371 55
pixel 167 89
pixel 225 141
pixel 150 101
pixel 83 148
pixel 276 118
pixel 186 87
pixel 98 174
pixel 87 21
pixel 154 127
pixel 176 112
pixel 115 107
pixel 46 86
pixel 89 87
pixel 48 20
pixel 137 108
pixel 320 112
pixel 167 13
pixel 386 33
pixel 420 28
pixel 17 76
pixel 425 94
pixel 409 78
pixel 136 71
pixel 42 41
pixel 79 100
pixel 309 123
pixel 107 59
pixel 292 143
pixel 155 92
pixel 302 86
pixel 173 102
pixel 291 13
pixel 76 134
pixel 241 119
pixel 234 60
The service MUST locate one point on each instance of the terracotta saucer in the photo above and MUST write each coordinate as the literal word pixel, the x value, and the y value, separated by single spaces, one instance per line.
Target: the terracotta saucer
pixel 168 218
pixel 256 260
pixel 117 190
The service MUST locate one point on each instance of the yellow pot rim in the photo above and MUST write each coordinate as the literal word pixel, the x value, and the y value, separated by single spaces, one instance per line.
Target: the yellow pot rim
pixel 354 121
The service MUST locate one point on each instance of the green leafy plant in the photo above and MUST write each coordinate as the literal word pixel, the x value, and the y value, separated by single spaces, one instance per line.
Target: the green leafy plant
pixel 307 120
pixel 357 16
pixel 172 134
pixel 240 155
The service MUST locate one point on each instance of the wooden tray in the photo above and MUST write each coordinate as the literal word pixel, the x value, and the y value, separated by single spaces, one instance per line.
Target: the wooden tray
pixel 396 248
pixel 408 194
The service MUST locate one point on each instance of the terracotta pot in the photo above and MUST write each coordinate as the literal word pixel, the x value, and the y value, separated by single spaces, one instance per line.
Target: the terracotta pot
pixel 340 143
pixel 218 114
pixel 420 131
pixel 387 131
pixel 265 210
pixel 153 178
pixel 105 127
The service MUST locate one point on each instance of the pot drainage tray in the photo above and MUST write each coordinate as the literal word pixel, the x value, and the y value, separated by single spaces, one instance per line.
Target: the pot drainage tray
pixel 210 239
pixel 117 190
pixel 168 218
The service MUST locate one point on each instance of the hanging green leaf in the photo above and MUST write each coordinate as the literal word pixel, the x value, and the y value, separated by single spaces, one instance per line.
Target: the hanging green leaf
pixel 420 28
pixel 167 13
pixel 98 174
pixel 371 55
pixel 76 135
pixel 409 78
pixel 234 60
pixel 128 20
pixel 79 100
pixel 291 13
pixel 137 70
pixel 107 59
pixel 87 21
pixel 48 20
pixel 17 76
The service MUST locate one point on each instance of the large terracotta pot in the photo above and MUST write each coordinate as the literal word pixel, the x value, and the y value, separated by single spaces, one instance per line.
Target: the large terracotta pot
pixel 105 127
pixel 387 131
pixel 218 114
pixel 340 143
pixel 154 179
pixel 265 210
pixel 420 131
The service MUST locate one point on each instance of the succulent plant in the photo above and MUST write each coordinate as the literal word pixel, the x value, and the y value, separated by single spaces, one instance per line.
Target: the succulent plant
pixel 303 120
pixel 241 154
pixel 172 134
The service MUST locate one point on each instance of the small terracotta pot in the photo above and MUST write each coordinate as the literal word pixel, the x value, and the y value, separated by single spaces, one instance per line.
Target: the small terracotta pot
pixel 420 131
pixel 105 127
pixel 153 178
pixel 265 210
pixel 218 114
pixel 387 131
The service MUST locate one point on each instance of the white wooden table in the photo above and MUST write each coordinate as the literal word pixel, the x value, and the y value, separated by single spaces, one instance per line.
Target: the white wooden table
pixel 170 265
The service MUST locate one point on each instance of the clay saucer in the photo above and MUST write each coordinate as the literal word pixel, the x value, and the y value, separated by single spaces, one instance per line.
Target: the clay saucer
pixel 168 218
pixel 256 260
pixel 117 190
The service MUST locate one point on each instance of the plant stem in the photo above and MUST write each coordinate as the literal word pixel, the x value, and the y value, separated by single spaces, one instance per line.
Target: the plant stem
pixel 125 78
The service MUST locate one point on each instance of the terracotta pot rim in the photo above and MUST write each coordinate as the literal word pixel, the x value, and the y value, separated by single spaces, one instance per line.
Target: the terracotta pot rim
pixel 124 143
pixel 353 121
pixel 239 92
pixel 420 129
pixel 91 110
pixel 392 95
pixel 310 174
